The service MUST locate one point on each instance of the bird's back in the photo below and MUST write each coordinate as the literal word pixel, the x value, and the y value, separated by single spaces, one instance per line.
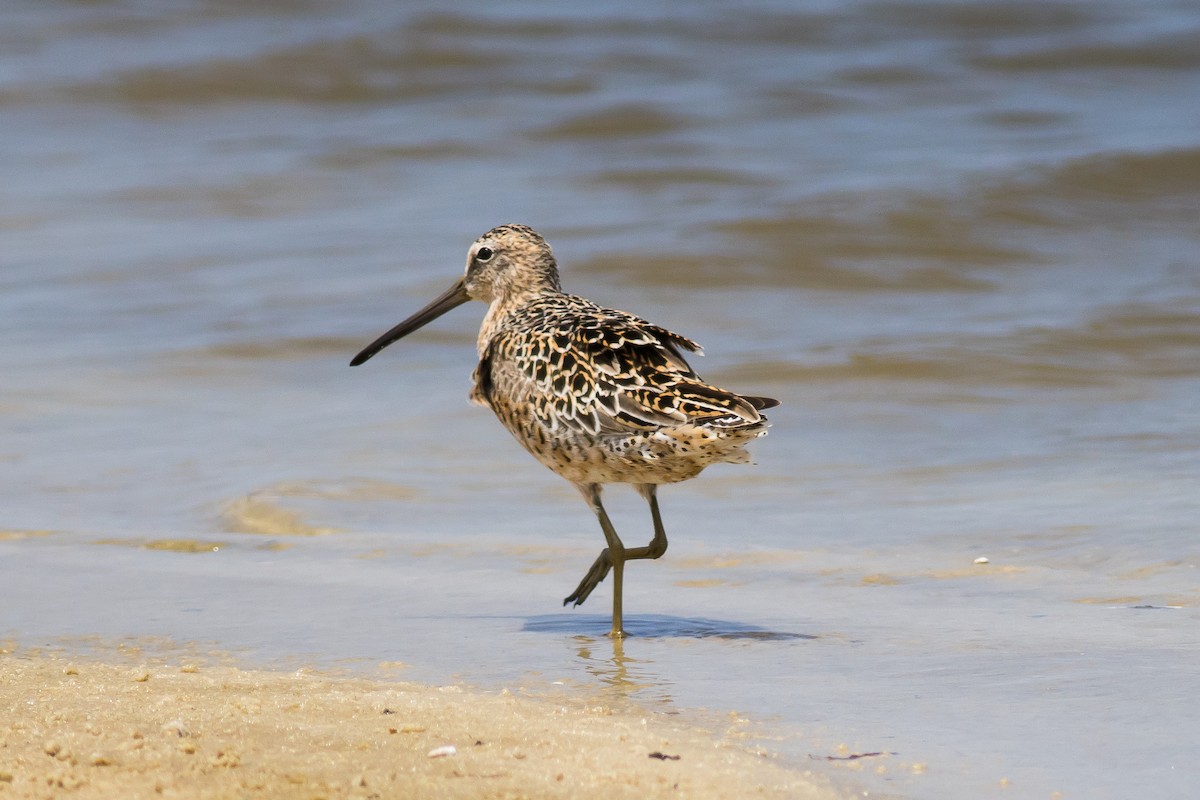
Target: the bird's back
pixel 602 396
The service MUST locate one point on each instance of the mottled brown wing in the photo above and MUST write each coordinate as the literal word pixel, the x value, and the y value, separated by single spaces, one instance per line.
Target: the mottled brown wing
pixel 605 372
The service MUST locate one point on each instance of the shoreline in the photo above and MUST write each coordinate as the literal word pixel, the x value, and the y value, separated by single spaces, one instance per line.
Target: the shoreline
pixel 122 724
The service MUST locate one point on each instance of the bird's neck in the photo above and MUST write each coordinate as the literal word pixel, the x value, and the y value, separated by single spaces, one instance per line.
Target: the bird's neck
pixel 502 308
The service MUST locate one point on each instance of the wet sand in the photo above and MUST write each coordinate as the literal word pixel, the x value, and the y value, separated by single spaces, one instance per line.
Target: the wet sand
pixel 131 729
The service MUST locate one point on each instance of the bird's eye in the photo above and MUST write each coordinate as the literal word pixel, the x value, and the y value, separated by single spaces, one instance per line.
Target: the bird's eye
pixel 484 254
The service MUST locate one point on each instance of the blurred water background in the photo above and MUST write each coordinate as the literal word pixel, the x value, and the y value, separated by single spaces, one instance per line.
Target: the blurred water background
pixel 958 240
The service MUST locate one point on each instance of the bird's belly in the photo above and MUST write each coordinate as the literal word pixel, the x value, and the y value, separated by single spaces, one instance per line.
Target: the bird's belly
pixel 667 455
pixel 585 460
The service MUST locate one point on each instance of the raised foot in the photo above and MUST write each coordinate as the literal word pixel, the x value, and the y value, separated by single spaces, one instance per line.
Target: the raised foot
pixel 597 573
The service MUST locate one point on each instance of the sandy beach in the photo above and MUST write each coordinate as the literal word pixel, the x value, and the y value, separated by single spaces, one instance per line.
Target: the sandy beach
pixel 131 728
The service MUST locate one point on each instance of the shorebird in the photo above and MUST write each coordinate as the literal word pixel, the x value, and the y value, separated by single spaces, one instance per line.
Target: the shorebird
pixel 599 396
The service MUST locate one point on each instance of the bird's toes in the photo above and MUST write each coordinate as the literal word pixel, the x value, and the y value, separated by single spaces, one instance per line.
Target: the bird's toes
pixel 595 575
pixel 581 593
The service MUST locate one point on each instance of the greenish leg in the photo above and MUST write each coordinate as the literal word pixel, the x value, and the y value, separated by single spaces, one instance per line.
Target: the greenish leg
pixel 606 560
pixel 658 545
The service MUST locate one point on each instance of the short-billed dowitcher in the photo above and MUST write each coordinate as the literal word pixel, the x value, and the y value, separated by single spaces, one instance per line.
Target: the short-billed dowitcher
pixel 597 395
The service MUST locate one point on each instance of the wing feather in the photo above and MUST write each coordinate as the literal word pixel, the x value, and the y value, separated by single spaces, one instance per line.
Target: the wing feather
pixel 576 366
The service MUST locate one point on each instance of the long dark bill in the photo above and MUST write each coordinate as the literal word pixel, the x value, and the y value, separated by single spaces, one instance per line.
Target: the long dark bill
pixel 453 297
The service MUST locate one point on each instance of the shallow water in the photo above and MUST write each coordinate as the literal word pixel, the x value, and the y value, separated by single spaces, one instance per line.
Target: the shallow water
pixel 958 240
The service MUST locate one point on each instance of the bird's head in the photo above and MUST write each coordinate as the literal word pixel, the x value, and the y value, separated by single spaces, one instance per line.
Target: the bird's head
pixel 510 261
pixel 506 264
